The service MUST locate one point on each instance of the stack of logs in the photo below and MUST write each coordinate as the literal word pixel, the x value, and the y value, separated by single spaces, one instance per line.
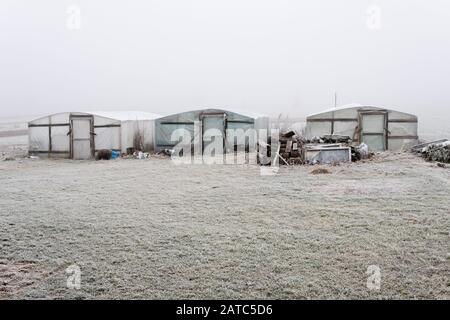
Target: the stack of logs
pixel 291 148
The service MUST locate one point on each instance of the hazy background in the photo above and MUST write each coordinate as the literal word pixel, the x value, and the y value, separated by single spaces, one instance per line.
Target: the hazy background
pixel 274 56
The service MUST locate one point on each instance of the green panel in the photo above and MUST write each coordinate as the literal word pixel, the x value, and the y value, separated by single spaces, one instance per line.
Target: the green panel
pixel 164 133
pixel 375 142
pixel 215 123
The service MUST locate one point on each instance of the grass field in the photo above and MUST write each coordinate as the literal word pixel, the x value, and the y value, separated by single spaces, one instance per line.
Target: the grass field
pixel 150 229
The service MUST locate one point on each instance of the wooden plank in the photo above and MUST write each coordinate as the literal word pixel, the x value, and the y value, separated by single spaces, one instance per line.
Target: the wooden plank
pixel 419 146
pixel 403 137
pixel 331 120
pixel 289 146
pixel 55 152
pixel 107 126
pixel 50 135
pixel 402 120
pixel 180 123
pixel 30 125
pixel 241 121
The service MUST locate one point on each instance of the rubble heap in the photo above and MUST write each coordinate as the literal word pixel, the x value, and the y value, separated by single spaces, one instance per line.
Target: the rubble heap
pixel 331 139
pixel 291 148
pixel 438 152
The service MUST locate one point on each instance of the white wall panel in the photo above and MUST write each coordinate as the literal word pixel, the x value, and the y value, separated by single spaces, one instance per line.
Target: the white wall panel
pixel 60 139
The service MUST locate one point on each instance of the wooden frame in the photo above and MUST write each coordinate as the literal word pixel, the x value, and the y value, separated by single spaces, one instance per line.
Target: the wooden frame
pixel 333 119
pixel 384 134
pixel 30 125
pixel 241 121
pixel 217 115
pixel 402 121
pixel 92 140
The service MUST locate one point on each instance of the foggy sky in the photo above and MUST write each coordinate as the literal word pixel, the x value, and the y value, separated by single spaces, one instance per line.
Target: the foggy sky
pixel 273 57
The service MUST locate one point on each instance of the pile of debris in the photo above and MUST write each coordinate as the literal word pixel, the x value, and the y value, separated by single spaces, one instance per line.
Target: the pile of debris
pixel 141 155
pixel 106 154
pixel 434 151
pixel 291 148
pixel 361 152
pixel 331 139
pixel 327 149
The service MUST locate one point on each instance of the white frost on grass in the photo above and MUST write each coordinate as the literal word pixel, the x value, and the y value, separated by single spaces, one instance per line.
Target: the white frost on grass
pixel 150 229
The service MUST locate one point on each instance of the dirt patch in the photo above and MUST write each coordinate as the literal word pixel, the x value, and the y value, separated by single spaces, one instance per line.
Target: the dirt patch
pixel 17 275
pixel 320 171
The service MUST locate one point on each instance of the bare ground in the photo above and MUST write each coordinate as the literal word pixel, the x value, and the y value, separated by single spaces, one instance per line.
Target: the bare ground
pixel 150 229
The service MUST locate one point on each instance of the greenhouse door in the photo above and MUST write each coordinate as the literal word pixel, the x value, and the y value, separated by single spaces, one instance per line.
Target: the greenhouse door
pixel 373 129
pixel 81 137
pixel 213 125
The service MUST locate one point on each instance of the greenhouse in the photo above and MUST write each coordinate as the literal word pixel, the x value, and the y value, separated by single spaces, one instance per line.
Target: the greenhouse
pixel 381 129
pixel 209 122
pixel 79 135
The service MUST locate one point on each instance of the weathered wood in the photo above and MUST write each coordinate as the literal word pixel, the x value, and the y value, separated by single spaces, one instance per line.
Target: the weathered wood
pixel 295 154
pixel 289 146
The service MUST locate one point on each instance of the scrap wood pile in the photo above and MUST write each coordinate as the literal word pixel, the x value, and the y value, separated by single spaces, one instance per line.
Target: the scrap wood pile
pixel 435 151
pixel 291 148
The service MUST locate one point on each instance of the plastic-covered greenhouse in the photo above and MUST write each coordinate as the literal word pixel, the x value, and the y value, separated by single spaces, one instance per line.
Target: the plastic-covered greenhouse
pixel 217 119
pixel 381 129
pixel 78 135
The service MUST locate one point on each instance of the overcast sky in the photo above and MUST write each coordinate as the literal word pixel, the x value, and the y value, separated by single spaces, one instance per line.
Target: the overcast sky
pixel 271 56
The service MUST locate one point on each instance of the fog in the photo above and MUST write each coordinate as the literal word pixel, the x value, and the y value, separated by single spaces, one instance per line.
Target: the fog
pixel 165 56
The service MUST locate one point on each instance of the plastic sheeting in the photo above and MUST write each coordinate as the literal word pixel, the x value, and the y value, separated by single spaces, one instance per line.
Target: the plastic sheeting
pixel 318 129
pixel 107 138
pixel 60 139
pixel 142 131
pixel 165 133
pixel 345 128
pixel 38 139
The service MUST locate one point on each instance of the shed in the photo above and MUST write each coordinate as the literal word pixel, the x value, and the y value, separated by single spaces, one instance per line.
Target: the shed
pixel 381 129
pixel 218 119
pixel 78 135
